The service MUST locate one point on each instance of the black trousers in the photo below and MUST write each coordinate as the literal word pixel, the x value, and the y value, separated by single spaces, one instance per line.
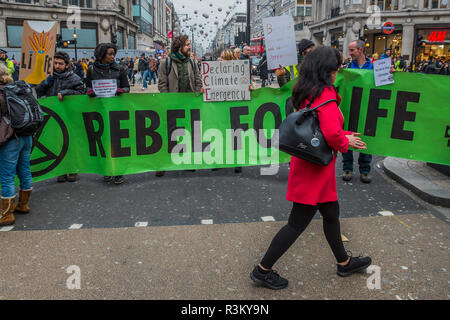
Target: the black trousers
pixel 300 217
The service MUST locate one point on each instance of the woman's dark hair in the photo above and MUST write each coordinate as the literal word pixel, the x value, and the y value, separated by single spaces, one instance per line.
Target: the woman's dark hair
pixel 102 48
pixel 179 42
pixel 315 74
pixel 62 56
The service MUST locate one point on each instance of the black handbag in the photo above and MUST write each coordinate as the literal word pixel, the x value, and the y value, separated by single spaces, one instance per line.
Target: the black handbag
pixel 301 137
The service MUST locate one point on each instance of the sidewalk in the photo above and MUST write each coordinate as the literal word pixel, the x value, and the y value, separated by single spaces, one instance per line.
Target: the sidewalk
pixel 214 261
pixel 426 182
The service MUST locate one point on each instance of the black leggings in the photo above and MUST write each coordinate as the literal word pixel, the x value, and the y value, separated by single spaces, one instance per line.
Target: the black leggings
pixel 301 216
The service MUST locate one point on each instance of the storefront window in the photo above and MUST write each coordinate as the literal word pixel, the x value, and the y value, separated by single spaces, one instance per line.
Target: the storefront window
pixel 14 36
pixel 86 38
pixel 440 51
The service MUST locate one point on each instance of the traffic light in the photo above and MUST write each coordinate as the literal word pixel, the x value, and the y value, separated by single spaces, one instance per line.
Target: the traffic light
pixel 114 38
pixel 335 44
pixel 59 42
pixel 419 41
pixel 66 43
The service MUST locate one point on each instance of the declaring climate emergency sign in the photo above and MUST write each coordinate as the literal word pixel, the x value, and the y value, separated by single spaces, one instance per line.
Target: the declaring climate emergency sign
pixel 226 80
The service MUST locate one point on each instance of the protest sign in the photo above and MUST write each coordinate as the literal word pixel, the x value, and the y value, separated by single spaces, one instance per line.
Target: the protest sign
pixel 382 72
pixel 281 48
pixel 38 49
pixel 226 80
pixel 104 88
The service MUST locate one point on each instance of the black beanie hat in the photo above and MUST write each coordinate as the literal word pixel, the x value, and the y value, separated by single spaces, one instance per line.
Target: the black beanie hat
pixel 304 44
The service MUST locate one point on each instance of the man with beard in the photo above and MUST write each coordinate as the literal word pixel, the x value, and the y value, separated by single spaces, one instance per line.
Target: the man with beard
pixel 178 72
pixel 8 63
pixel 62 83
pixel 105 67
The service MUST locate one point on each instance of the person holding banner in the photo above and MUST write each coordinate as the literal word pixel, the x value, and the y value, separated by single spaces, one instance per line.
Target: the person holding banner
pixel 359 61
pixel 179 72
pixel 105 68
pixel 312 187
pixel 63 82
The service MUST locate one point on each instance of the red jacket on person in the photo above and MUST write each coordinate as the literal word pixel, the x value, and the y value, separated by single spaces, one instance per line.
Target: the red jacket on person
pixel 311 183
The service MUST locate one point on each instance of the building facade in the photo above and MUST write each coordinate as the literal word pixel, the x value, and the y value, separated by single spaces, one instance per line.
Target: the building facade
pixel 338 22
pixel 100 20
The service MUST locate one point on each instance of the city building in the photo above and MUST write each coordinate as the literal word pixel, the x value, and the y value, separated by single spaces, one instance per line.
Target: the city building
pixel 100 20
pixel 338 22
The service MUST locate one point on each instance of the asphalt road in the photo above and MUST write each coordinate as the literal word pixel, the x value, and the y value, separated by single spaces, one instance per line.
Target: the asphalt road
pixel 190 198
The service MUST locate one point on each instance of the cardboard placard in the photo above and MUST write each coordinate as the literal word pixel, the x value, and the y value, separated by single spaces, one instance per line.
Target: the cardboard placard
pixel 38 49
pixel 382 72
pixel 226 80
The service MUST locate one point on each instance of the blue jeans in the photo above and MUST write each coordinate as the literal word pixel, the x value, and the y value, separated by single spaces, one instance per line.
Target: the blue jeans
pixel 364 161
pixel 15 158
pixel 152 76
pixel 144 75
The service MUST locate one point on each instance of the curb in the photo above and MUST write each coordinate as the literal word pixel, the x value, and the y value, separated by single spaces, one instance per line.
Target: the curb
pixel 398 170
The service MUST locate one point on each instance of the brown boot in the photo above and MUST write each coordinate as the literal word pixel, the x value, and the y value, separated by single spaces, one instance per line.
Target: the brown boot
pixel 24 197
pixel 7 216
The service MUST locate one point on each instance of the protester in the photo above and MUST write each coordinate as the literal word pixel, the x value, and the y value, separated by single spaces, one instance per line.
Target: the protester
pixel 152 70
pixel 6 62
pixel 284 75
pixel 237 53
pixel 228 54
pixel 63 82
pixel 178 72
pixel 105 68
pixel 359 61
pixel 14 159
pixel 135 69
pixel 386 54
pixel 263 72
pixel 85 66
pixel 445 70
pixel 143 69
pixel 312 187
pixel 400 64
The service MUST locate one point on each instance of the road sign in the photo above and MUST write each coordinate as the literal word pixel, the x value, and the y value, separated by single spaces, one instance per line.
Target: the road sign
pixel 388 27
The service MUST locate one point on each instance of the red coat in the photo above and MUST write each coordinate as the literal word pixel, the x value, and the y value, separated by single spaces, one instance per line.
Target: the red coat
pixel 311 183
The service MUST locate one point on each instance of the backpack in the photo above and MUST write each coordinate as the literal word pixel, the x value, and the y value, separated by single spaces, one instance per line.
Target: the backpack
pixel 25 113
pixel 401 65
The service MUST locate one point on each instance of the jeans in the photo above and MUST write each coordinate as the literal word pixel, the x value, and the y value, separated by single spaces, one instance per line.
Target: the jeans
pixel 152 76
pixel 15 158
pixel 144 75
pixel 364 161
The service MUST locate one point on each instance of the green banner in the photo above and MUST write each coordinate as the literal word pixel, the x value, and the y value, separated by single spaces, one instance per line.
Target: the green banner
pixel 137 133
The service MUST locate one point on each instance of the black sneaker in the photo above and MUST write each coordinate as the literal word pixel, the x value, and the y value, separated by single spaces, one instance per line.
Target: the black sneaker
pixel 62 178
pixel 107 178
pixel 270 279
pixel 238 170
pixel 118 180
pixel 355 264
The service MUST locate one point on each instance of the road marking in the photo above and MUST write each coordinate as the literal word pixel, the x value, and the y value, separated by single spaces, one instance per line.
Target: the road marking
pixel 9 228
pixel 75 226
pixel 207 221
pixel 409 227
pixel 268 218
pixel 398 298
pixel 141 224
pixel 386 213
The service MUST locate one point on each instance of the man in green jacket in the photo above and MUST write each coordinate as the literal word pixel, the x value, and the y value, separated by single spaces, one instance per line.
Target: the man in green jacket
pixel 8 63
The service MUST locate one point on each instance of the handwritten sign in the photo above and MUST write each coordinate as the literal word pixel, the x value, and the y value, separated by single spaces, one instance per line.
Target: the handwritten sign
pixel 226 80
pixel 281 47
pixel 105 88
pixel 382 72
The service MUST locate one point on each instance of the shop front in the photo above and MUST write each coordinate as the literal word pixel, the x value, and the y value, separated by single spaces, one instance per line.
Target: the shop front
pixel 378 42
pixel 436 44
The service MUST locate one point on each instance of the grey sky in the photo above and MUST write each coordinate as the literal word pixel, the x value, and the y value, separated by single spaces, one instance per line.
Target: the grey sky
pixel 197 8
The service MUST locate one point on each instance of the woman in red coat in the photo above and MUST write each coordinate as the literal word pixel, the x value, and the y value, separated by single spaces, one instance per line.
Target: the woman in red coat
pixel 312 187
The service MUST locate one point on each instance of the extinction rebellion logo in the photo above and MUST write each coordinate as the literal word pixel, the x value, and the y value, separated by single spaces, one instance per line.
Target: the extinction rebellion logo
pixel 48 150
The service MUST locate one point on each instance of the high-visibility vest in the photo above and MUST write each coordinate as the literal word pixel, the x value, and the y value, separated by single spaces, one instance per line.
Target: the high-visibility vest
pixel 296 73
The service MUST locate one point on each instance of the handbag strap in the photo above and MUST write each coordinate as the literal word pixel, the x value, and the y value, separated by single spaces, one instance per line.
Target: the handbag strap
pixel 320 105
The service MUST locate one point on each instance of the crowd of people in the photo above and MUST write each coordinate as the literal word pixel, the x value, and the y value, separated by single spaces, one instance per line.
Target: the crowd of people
pixel 310 187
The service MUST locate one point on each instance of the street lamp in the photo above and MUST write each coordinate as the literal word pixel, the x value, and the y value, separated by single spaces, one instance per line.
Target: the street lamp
pixel 75 41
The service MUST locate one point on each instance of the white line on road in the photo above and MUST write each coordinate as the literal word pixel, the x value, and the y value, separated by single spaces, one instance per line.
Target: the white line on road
pixel 268 218
pixel 207 221
pixel 141 224
pixel 75 226
pixel 9 228
pixel 386 213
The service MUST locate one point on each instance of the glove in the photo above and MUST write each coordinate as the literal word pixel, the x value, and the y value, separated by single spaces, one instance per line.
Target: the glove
pixel 119 92
pixel 91 93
